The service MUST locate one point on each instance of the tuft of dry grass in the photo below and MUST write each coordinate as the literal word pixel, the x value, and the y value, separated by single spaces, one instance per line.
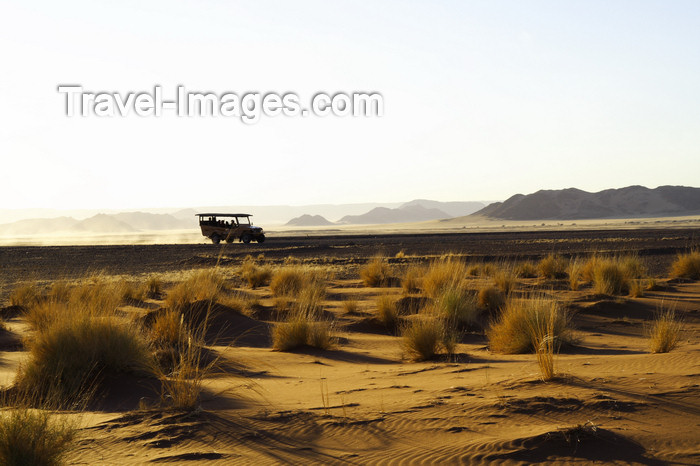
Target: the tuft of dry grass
pixel 687 266
pixel 377 272
pixel 154 286
pixel 182 388
pixel 200 285
pixel 167 329
pixel 350 306
pixel 526 269
pixel 665 332
pixel 442 274
pixel 25 295
pixel 545 343
pixel 490 298
pixel 75 351
pixel 254 274
pixel 457 307
pixel 302 330
pixel 34 437
pixel 610 278
pixel 411 281
pixel 423 338
pixel 519 327
pixel 387 312
pixel 290 280
pixel 636 288
pixel 504 278
pixel 574 272
pixel 552 266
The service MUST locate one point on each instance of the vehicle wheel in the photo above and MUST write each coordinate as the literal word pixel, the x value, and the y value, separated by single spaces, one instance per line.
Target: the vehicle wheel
pixel 261 239
pixel 229 240
pixel 215 238
pixel 245 238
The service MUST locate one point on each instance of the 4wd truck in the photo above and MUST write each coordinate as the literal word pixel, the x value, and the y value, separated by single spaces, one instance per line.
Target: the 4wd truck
pixel 230 227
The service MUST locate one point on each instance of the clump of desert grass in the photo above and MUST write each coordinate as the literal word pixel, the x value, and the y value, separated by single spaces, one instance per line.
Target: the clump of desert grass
pixel 302 330
pixel 442 274
pixel 665 332
pixel 25 295
pixel 551 267
pixel 255 275
pixel 526 269
pixel 200 285
pixel 573 271
pixel 457 307
pixel 687 266
pixel 412 278
pixel 290 280
pixel 75 350
pixel 376 272
pixel 490 298
pixel 636 288
pixel 350 306
pixel 519 328
pixel 387 311
pixel 614 275
pixel 505 279
pixel 426 337
pixel 34 437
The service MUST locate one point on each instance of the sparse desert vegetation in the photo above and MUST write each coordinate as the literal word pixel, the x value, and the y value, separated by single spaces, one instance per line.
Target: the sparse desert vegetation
pixel 388 340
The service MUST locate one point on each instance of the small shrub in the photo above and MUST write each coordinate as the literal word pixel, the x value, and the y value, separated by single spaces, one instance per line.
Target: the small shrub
pixel 376 272
pixel 490 298
pixel 201 285
pixel 519 327
pixel 387 312
pixel 665 332
pixel 552 267
pixel 400 255
pixel 423 339
pixel 34 437
pixel 443 274
pixel 687 266
pixel 167 329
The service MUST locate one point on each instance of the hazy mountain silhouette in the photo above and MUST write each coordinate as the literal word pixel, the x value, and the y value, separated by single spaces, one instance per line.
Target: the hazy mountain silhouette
pixel 403 214
pixel 572 203
pixel 452 208
pixel 307 220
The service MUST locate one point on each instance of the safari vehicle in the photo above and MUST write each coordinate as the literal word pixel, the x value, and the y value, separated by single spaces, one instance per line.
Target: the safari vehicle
pixel 230 227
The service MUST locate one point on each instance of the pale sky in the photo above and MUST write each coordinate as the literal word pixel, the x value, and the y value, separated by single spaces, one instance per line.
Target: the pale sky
pixel 482 100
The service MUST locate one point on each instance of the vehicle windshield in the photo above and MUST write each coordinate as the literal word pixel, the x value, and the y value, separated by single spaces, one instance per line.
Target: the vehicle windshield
pixel 243 220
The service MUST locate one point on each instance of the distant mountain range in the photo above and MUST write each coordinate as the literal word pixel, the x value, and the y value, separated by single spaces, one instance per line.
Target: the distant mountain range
pixel 571 204
pixel 307 220
pixel 125 222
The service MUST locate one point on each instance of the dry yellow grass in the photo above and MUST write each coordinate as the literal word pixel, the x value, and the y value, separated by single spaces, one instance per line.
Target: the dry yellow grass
pixel 377 272
pixel 200 285
pixel 387 312
pixel 519 327
pixel 25 295
pixel 552 266
pixel 457 307
pixel 423 338
pixel 610 278
pixel 256 275
pixel 505 279
pixel 350 306
pixel 574 270
pixel 526 269
pixel 687 266
pixel 665 332
pixel 34 437
pixel 302 330
pixel 443 274
pixel 490 298
pixel 412 278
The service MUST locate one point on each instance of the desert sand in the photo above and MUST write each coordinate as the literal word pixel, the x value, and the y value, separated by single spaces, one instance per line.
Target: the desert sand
pixel 366 401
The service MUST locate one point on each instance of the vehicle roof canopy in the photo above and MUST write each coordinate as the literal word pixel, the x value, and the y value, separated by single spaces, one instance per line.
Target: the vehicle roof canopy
pixel 223 215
